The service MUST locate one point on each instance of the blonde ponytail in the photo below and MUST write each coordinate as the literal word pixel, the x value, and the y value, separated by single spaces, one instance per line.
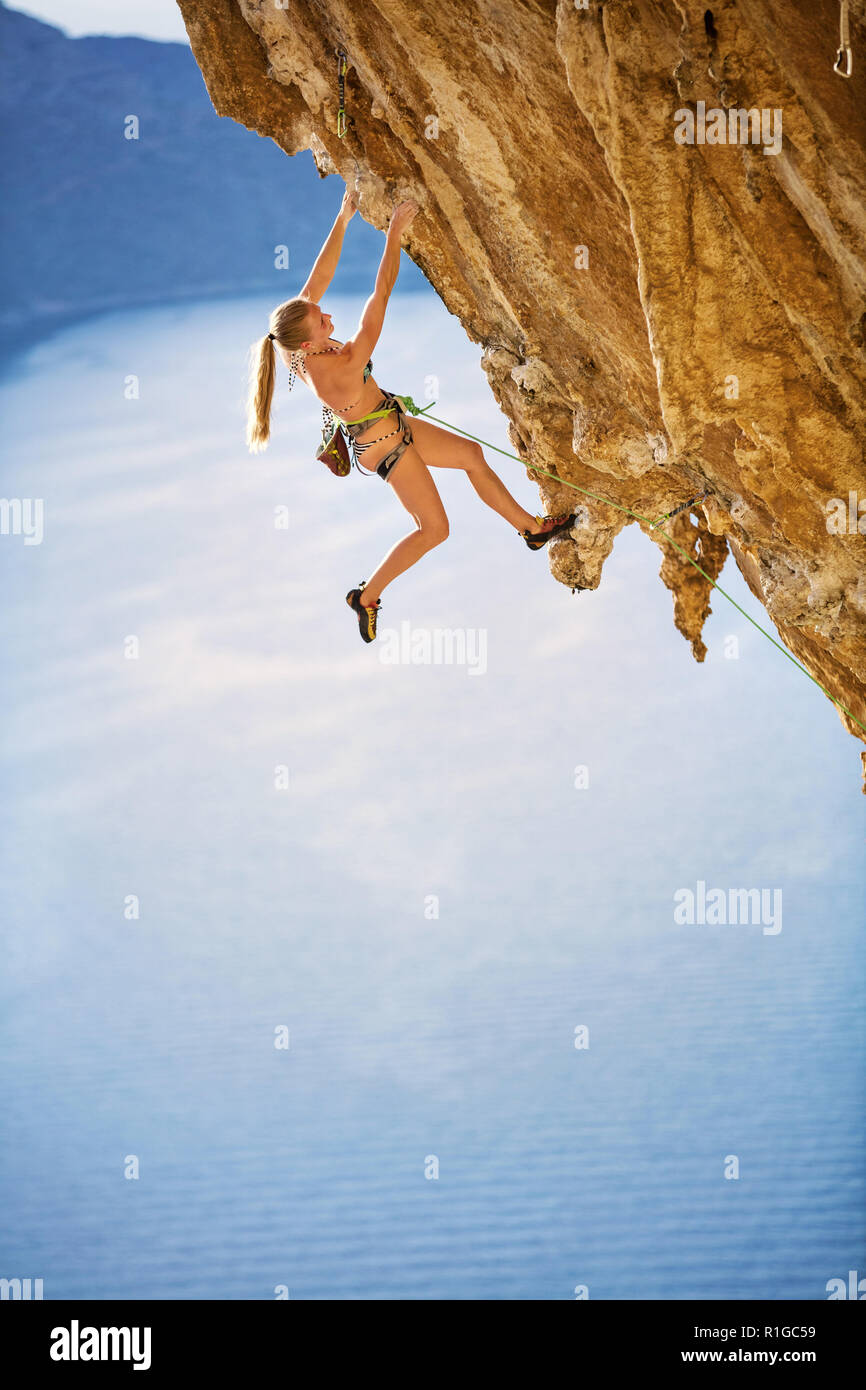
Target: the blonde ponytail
pixel 289 325
pixel 263 372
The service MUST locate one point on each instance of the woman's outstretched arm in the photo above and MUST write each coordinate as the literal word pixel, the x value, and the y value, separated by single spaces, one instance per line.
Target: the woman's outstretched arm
pixel 373 316
pixel 322 272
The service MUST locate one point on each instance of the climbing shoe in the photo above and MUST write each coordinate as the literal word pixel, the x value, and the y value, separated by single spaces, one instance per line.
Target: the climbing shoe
pixel 366 615
pixel 536 539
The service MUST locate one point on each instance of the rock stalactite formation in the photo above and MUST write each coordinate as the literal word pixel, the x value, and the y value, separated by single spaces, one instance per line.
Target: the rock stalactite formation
pixel 651 215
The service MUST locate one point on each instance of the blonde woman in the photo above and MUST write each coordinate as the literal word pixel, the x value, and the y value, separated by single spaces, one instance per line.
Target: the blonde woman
pixel 340 376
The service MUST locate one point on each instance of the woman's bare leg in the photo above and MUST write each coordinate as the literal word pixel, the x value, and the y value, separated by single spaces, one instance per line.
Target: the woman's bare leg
pixel 441 449
pixel 416 490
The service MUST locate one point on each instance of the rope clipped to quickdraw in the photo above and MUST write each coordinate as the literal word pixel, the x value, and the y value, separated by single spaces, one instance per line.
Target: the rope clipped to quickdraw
pixel 342 63
pixel 564 482
pixel 844 63
pixel 684 507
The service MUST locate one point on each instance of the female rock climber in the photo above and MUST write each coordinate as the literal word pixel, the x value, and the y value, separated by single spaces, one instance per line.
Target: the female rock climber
pixel 400 453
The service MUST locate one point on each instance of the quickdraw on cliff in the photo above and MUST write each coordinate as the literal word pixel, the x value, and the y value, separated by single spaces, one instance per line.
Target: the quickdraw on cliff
pixel 683 507
pixel 342 63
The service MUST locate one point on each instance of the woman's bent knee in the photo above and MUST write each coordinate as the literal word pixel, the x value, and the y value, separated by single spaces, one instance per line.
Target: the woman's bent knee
pixel 435 532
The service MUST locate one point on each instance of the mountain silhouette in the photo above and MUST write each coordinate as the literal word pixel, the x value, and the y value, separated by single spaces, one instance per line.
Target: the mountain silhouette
pixel 195 206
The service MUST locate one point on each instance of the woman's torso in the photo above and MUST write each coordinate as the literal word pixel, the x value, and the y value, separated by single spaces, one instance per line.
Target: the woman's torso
pixel 327 383
pixel 326 386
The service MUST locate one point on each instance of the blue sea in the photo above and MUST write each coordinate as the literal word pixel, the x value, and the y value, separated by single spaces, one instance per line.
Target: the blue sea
pixel 332 976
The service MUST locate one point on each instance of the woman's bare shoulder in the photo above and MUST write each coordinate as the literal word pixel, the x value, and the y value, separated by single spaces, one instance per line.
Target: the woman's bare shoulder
pixel 328 366
pixel 320 361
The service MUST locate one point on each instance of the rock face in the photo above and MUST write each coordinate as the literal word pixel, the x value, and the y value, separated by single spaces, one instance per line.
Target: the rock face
pixel 669 295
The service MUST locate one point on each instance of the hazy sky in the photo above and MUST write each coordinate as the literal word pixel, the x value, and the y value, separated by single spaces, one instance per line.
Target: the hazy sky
pixel 152 19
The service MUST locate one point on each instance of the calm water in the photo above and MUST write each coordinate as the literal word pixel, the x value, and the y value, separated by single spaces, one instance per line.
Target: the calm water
pixel 431 906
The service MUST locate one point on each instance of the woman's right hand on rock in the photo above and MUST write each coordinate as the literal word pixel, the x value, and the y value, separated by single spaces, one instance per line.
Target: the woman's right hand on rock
pixel 402 216
pixel 349 206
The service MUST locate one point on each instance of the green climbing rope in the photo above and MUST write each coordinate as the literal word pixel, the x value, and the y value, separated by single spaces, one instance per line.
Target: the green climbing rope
pixel 654 525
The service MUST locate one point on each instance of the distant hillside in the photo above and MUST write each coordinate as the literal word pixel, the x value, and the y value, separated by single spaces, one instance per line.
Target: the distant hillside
pixel 195 207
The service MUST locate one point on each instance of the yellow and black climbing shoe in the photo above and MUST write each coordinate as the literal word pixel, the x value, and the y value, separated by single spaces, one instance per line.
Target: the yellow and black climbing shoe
pixel 366 615
pixel 536 539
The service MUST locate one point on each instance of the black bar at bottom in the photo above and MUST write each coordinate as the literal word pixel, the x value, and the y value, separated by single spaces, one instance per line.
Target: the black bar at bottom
pixel 217 1339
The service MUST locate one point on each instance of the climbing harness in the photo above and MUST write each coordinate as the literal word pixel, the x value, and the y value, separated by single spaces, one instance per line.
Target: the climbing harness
pixel 342 62
pixel 402 404
pixel 844 63
pixel 406 402
pixel 563 482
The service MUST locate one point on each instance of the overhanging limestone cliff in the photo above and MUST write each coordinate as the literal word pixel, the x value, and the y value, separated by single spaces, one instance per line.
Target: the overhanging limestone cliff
pixel 657 317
